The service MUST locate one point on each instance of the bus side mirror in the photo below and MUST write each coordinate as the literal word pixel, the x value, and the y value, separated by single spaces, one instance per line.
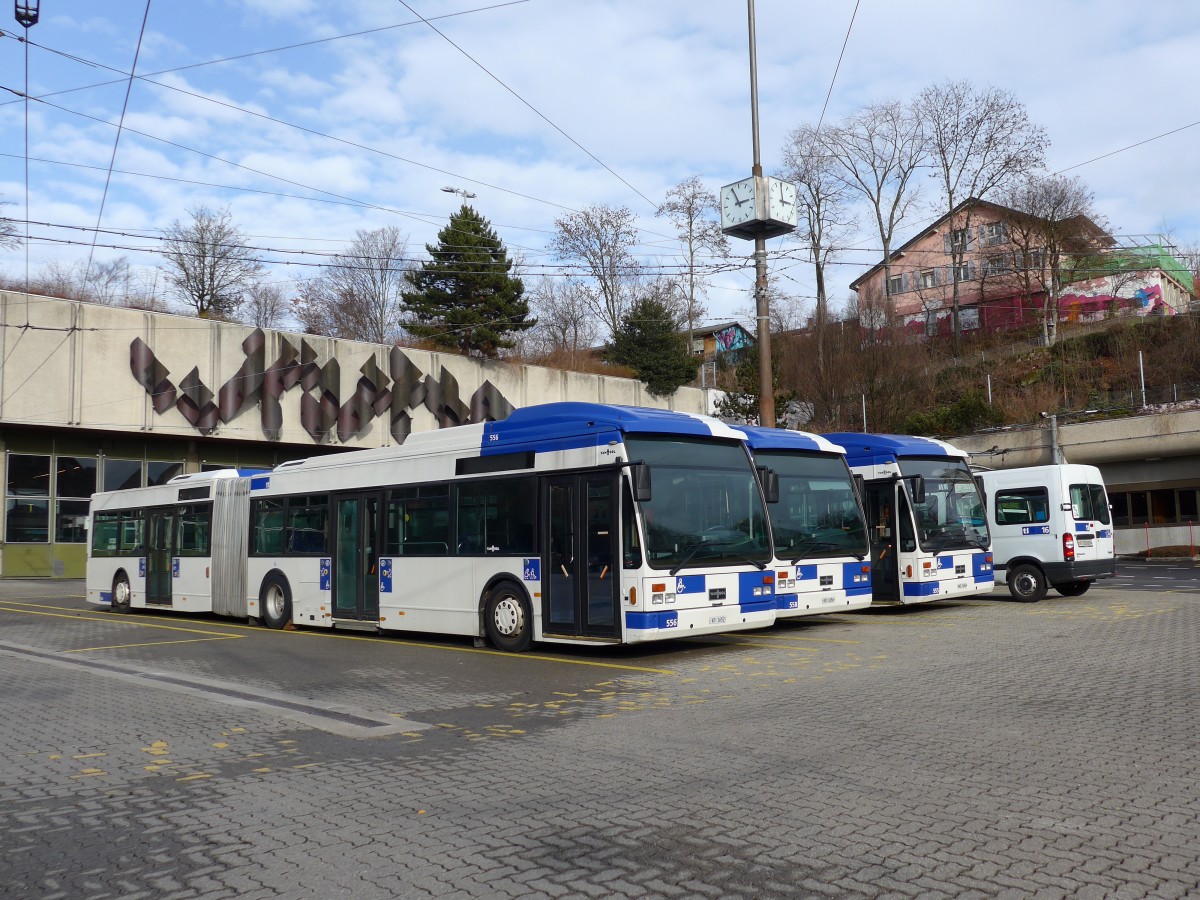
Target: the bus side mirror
pixel 918 489
pixel 769 479
pixel 640 474
pixel 860 488
pixel 982 491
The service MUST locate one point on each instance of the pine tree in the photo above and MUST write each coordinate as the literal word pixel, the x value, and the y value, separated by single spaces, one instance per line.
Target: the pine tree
pixel 649 342
pixel 463 298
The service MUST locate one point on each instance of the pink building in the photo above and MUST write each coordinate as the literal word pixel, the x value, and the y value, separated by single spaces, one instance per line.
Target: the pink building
pixel 998 260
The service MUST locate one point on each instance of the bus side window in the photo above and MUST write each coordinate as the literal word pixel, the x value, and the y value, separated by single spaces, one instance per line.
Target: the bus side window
pixel 908 540
pixel 631 543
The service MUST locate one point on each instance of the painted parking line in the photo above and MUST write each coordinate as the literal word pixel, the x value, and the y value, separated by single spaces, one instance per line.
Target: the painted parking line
pixel 116 619
pixel 224 637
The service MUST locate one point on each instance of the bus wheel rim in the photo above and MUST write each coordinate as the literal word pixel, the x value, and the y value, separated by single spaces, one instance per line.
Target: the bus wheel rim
pixel 275 601
pixel 508 616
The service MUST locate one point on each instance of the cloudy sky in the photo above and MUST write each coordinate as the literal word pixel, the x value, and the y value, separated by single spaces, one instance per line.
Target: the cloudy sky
pixel 310 119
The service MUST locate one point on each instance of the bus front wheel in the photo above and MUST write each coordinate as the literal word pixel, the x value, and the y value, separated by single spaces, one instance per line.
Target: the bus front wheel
pixel 1027 583
pixel 507 618
pixel 275 601
pixel 121 594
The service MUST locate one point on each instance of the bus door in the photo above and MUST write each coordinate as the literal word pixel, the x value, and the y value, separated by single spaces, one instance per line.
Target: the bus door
pixel 580 556
pixel 355 576
pixel 160 551
pixel 882 528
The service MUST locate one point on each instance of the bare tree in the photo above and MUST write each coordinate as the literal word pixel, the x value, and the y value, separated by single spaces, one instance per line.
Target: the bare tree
pixel 9 237
pixel 266 305
pixel 824 206
pixel 878 151
pixel 980 140
pixel 358 295
pixel 1057 223
pixel 566 327
pixel 600 238
pixel 209 265
pixel 693 210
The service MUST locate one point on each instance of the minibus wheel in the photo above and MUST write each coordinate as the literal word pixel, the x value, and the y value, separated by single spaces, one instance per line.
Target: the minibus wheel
pixel 275 601
pixel 1073 588
pixel 507 618
pixel 1027 583
pixel 121 594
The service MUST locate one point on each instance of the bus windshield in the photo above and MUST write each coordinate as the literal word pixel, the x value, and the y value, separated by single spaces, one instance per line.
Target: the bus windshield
pixel 817 513
pixel 952 516
pixel 706 508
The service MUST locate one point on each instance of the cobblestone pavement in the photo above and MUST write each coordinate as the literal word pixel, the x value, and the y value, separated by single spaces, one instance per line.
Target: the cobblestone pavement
pixel 986 748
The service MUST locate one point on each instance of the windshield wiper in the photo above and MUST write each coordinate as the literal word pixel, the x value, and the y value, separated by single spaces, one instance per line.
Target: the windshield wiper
pixel 714 544
pixel 811 544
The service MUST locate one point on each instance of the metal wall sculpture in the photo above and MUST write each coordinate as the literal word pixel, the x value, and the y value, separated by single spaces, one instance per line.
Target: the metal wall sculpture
pixel 393 394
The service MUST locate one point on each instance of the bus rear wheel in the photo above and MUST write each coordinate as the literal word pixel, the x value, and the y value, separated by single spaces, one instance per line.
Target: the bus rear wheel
pixel 275 601
pixel 1027 583
pixel 121 594
pixel 1073 588
pixel 507 618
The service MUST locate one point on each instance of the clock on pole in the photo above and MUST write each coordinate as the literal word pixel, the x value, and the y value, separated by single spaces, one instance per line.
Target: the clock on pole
pixel 758 207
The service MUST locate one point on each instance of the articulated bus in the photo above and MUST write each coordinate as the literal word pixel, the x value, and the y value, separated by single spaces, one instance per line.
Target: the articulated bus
pixel 925 517
pixel 822 558
pixel 564 523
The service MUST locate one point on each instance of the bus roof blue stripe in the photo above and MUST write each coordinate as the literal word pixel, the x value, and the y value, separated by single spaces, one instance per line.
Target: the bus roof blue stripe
pixel 867 448
pixel 759 438
pixel 562 426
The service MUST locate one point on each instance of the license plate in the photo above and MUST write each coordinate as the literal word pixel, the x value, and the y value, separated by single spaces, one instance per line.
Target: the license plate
pixel 829 599
pixel 716 620
pixel 1086 542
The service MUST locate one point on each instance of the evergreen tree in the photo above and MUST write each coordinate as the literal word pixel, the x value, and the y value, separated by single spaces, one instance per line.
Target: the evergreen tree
pixel 463 298
pixel 648 341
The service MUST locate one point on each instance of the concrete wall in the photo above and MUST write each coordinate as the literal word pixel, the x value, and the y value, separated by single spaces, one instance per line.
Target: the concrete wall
pixel 79 365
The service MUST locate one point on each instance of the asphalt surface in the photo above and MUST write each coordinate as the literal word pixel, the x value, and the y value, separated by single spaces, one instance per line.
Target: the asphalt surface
pixel 984 748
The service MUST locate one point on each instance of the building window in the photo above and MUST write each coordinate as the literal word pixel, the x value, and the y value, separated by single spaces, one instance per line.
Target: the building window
pixel 27 509
pixel 968 319
pixel 958 239
pixel 896 284
pixel 1187 506
pixel 120 474
pixel 1120 508
pixel 996 265
pixel 929 278
pixel 162 472
pixel 962 272
pixel 995 233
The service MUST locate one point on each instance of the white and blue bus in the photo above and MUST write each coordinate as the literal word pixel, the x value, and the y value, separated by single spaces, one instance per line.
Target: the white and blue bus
pixel 564 523
pixel 925 518
pixel 822 558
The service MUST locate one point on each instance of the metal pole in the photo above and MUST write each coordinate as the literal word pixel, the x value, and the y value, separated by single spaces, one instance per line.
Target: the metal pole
pixel 989 378
pixel 864 396
pixel 1142 373
pixel 766 387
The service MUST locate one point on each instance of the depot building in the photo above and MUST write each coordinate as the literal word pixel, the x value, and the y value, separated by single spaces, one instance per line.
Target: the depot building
pixel 96 398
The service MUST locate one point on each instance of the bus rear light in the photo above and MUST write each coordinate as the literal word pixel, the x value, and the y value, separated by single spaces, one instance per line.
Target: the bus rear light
pixel 1068 547
pixel 908 572
pixel 927 565
pixel 633 596
pixel 769 579
pixel 658 588
pixel 782 576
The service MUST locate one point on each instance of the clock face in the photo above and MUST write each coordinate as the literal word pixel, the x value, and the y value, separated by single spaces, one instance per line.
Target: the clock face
pixel 737 202
pixel 781 203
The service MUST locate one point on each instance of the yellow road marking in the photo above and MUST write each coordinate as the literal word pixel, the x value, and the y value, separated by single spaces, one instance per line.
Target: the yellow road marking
pixel 224 637
pixel 787 637
pixel 109 617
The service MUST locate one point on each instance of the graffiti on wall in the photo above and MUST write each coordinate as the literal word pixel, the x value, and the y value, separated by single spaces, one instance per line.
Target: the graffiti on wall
pixel 732 338
pixel 388 395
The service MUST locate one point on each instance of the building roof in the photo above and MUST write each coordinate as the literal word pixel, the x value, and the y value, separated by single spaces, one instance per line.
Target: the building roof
pixel 932 227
